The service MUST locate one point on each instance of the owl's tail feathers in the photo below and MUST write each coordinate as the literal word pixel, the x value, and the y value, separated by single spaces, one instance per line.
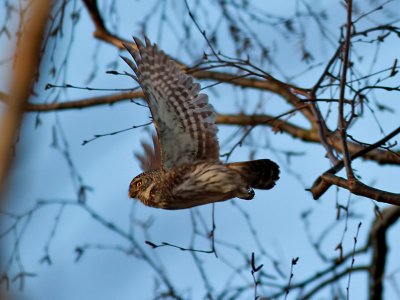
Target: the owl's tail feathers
pixel 259 174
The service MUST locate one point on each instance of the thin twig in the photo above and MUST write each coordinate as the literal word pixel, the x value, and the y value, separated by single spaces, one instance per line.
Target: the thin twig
pixel 287 289
pixel 97 136
pixel 352 262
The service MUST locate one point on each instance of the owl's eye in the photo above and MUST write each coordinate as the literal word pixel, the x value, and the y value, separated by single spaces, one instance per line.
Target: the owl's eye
pixel 138 184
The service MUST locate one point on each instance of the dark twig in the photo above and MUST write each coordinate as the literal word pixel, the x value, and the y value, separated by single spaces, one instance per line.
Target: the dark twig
pixel 287 289
pixel 212 232
pixel 248 131
pixel 254 270
pixel 346 208
pixel 97 136
pixel 164 244
pixel 202 31
pixel 352 262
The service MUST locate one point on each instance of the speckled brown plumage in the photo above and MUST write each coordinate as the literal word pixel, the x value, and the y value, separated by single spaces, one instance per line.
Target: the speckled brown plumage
pixel 185 171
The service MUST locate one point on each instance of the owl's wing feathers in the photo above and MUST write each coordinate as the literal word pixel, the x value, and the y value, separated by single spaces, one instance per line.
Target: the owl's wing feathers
pixel 150 159
pixel 184 120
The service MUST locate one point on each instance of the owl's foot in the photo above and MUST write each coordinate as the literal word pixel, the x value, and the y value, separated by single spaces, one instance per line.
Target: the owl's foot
pixel 246 194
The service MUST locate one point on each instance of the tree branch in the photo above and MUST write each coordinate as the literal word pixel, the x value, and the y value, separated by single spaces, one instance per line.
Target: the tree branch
pixel 358 188
pixel 273 85
pixel 332 279
pixel 320 186
pixel 83 103
pixel 377 241
pixel 101 32
pixel 26 61
pixel 342 126
pixel 306 135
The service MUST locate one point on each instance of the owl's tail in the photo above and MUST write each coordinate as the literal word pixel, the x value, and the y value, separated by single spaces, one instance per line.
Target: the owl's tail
pixel 259 174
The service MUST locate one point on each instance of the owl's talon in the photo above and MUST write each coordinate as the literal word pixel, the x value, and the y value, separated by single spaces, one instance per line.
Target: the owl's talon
pixel 247 194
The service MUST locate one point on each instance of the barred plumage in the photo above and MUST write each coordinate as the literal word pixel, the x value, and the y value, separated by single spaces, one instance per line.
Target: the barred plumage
pixel 184 170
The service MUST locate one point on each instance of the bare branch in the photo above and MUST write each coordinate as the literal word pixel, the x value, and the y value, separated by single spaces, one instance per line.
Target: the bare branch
pixel 101 32
pixel 341 122
pixel 307 135
pixel 26 60
pixel 358 188
pixel 333 279
pixel 83 103
pixel 320 186
pixel 377 241
pixel 273 85
pixel 352 261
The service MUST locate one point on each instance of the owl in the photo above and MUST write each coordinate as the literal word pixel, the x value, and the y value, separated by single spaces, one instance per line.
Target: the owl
pixel 183 169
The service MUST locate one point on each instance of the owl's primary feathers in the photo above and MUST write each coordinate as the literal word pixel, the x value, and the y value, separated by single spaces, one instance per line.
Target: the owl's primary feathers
pixel 183 169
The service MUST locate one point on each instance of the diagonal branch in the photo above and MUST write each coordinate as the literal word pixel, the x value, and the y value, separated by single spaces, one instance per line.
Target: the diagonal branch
pixel 360 189
pixel 320 186
pixel 101 32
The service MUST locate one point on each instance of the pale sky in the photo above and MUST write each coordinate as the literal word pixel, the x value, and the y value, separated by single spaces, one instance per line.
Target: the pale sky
pixel 108 165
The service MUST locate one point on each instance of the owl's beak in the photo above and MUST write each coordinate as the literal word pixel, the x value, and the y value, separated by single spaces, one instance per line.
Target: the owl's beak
pixel 132 191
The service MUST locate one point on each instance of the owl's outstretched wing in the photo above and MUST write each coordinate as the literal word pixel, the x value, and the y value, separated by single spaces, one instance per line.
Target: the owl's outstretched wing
pixel 184 120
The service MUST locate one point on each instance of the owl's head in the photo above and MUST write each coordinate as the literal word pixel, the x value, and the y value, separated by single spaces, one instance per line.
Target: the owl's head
pixel 141 185
pixel 137 186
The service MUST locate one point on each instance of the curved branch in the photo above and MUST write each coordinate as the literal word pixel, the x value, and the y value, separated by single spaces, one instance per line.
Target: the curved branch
pixel 101 32
pixel 377 241
pixel 358 188
pixel 320 186
pixel 334 278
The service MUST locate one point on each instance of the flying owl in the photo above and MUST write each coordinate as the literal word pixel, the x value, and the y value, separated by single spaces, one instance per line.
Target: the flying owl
pixel 183 169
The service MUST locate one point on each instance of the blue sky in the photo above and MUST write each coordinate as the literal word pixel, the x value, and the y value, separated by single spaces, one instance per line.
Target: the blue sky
pixel 108 165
